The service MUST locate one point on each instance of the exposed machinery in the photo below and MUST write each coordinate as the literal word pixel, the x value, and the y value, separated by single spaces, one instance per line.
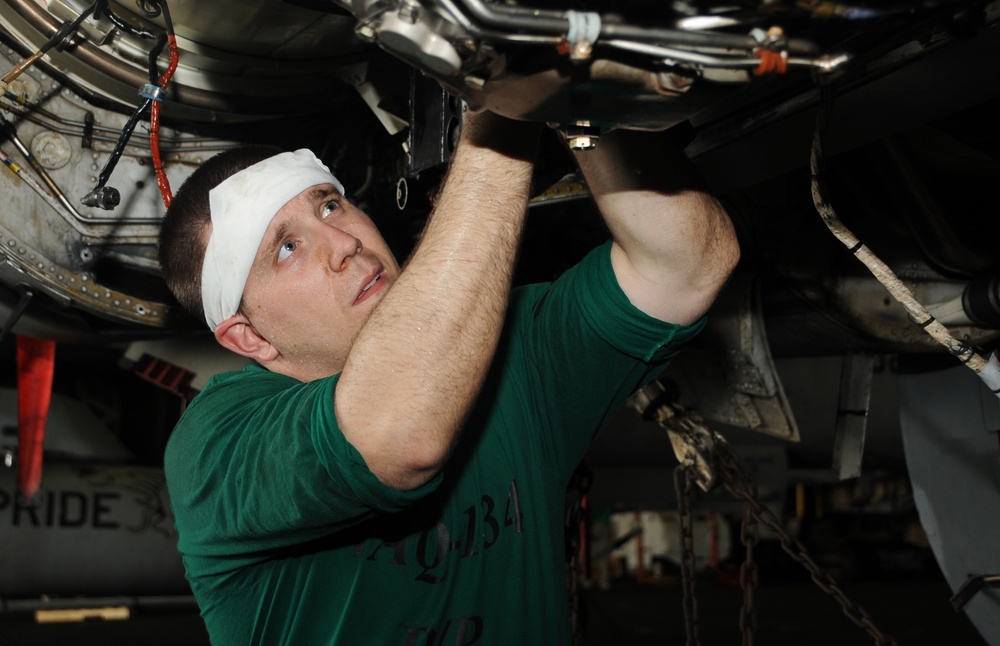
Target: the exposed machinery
pixel 106 105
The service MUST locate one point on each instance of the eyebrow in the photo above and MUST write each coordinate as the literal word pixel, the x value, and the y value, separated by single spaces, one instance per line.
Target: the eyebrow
pixel 279 237
pixel 322 192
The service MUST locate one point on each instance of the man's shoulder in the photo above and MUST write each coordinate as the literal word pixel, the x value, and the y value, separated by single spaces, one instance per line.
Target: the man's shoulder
pixel 239 393
pixel 249 383
pixel 590 279
pixel 226 397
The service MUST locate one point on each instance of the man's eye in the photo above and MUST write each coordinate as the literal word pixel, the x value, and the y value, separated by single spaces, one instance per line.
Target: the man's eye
pixel 286 249
pixel 328 208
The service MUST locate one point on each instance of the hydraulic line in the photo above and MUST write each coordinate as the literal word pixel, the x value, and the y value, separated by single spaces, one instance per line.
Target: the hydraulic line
pixel 32 183
pixel 988 369
pixel 11 133
pixel 57 40
pixel 478 14
pixel 34 112
pixel 671 53
pixel 91 55
pixel 56 199
pixel 527 22
pixel 762 62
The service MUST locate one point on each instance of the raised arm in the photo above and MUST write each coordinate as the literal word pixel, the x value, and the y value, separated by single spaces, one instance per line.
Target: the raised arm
pixel 419 362
pixel 674 246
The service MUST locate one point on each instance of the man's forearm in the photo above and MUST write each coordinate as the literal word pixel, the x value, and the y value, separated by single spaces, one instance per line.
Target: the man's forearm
pixel 418 364
pixel 674 244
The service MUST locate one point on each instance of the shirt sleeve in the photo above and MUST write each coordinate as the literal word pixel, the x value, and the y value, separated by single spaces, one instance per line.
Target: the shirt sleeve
pixel 258 462
pixel 582 348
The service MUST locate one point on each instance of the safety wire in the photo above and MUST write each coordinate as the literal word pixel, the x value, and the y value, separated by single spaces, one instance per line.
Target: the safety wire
pixel 988 370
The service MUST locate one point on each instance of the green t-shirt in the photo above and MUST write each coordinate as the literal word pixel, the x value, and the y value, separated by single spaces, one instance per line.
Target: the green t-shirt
pixel 287 538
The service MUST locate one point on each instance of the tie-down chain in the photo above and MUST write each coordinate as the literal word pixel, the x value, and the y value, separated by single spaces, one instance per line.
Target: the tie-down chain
pixel 707 460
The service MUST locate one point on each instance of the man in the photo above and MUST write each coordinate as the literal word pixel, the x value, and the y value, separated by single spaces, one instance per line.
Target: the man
pixel 392 469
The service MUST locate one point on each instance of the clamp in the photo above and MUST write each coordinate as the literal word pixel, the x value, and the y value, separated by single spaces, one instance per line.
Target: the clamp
pixel 693 442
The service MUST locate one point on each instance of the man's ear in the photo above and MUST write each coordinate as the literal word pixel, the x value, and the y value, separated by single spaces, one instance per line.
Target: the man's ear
pixel 238 334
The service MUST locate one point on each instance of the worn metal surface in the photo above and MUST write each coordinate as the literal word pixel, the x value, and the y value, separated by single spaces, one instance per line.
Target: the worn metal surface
pixel 738 386
pixel 76 255
pixel 950 425
pixel 852 414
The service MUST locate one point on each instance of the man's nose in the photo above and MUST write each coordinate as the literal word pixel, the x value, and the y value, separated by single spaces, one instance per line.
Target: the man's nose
pixel 343 246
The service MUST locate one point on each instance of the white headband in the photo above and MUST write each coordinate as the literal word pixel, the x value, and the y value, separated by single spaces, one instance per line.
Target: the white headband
pixel 242 207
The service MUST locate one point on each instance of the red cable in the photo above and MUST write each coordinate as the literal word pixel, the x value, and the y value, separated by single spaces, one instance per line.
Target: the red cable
pixel 154 126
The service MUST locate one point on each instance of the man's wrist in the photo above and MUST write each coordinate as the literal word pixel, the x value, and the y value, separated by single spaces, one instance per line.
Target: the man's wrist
pixel 508 137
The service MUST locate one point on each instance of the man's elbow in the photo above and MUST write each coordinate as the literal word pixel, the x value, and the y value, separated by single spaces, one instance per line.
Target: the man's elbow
pixel 708 275
pixel 720 251
pixel 407 464
pixel 729 254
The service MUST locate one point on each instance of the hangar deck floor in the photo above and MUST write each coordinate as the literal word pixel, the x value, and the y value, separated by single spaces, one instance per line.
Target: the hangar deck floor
pixel 915 612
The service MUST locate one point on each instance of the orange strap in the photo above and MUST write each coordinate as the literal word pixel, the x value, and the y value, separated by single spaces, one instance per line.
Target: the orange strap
pixel 771 62
pixel 35 366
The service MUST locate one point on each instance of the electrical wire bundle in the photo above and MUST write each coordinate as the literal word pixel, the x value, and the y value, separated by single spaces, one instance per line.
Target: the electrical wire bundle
pixel 153 93
pixel 103 196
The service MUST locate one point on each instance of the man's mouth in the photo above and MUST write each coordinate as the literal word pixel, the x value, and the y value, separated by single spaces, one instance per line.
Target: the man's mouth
pixel 364 290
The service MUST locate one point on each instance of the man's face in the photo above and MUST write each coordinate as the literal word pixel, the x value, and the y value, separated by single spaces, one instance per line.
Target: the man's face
pixel 320 270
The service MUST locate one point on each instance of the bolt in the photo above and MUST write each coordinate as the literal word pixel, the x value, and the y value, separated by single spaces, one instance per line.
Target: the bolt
pixel 409 12
pixel 582 50
pixel 673 83
pixel 582 142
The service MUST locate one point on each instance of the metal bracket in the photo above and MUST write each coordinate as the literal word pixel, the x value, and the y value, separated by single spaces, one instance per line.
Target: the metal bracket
pixel 852 414
pixel 728 372
pixel 972 586
pixel 15 315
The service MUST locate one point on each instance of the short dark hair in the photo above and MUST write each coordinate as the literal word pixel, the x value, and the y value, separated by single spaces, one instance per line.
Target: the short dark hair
pixel 184 233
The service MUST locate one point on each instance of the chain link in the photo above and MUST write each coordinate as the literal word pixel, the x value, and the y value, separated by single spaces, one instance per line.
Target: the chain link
pixel 749 536
pixel 742 486
pixel 684 476
pixel 705 456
